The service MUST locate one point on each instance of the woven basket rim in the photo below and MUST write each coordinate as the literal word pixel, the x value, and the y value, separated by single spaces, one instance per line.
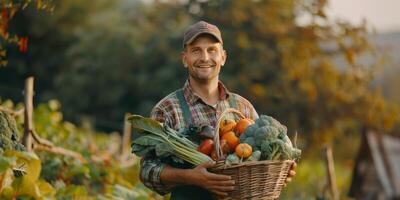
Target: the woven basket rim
pixel 221 165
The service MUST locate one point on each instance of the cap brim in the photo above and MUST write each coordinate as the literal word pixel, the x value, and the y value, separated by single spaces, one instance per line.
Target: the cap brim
pixel 200 33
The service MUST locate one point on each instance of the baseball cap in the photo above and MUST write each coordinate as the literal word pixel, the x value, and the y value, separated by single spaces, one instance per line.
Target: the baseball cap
pixel 199 28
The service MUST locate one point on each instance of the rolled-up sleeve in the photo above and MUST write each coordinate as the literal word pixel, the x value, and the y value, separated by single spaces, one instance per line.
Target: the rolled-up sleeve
pixel 150 171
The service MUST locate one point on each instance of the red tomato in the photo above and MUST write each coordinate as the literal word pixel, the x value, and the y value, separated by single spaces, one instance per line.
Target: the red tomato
pixel 206 146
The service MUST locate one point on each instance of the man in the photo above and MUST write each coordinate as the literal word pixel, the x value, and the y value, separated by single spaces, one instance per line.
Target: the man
pixel 200 102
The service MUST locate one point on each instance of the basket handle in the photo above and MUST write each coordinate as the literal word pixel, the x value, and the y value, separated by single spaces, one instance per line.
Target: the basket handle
pixel 216 135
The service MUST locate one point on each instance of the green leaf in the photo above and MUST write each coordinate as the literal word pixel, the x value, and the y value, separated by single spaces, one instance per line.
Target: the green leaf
pixel 6 163
pixel 75 191
pixel 177 160
pixel 78 170
pixel 46 189
pixel 147 140
pixel 28 159
pixel 26 186
pixel 142 151
pixel 146 124
pixel 164 150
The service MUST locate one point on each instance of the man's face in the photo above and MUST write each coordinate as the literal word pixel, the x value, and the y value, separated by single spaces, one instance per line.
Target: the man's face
pixel 204 58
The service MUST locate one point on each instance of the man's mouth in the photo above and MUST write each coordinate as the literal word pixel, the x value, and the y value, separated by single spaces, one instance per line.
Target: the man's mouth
pixel 205 66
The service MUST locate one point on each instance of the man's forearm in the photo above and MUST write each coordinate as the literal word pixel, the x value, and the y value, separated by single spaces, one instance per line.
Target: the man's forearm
pixel 172 177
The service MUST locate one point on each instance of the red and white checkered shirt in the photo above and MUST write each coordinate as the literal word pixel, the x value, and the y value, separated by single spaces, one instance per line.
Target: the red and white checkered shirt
pixel 169 112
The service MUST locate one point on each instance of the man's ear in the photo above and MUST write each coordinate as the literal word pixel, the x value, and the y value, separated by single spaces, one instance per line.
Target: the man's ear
pixel 224 56
pixel 183 58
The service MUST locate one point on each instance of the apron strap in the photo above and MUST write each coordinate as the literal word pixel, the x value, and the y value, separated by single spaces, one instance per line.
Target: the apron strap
pixel 188 191
pixel 233 102
pixel 185 107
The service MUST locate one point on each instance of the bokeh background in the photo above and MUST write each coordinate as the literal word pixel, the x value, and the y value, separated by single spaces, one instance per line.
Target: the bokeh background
pixel 329 70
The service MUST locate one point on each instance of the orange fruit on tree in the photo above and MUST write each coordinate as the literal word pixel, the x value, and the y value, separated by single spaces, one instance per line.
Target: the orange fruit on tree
pixel 231 139
pixel 243 150
pixel 225 126
pixel 242 124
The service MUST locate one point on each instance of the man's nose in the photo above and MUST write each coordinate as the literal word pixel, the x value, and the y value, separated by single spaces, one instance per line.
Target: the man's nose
pixel 205 56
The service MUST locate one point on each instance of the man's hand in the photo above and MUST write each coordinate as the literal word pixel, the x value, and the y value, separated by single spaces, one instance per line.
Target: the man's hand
pixel 291 174
pixel 216 183
pixel 199 176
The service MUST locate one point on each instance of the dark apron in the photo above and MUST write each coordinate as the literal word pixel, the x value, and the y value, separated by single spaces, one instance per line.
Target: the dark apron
pixel 191 192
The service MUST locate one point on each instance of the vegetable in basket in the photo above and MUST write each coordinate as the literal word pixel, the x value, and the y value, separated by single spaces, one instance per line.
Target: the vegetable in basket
pixel 154 138
pixel 270 137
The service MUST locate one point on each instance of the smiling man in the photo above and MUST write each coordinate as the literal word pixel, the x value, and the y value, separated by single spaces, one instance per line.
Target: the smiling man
pixel 200 102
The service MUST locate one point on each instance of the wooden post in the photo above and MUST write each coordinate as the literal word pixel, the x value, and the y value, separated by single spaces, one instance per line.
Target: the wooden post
pixel 28 126
pixel 126 138
pixel 331 173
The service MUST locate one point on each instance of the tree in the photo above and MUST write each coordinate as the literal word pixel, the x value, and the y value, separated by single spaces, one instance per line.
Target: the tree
pixel 288 70
pixel 123 56
pixel 9 8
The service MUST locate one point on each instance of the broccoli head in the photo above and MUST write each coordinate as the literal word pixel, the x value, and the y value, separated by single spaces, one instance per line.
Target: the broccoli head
pixel 265 132
pixel 250 141
pixel 266 120
pixel 250 130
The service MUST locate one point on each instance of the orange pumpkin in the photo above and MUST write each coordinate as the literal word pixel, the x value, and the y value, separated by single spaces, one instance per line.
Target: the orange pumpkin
pixel 243 150
pixel 242 124
pixel 225 126
pixel 231 139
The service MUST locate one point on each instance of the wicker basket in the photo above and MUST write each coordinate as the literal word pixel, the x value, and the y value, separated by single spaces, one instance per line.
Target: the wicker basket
pixel 253 180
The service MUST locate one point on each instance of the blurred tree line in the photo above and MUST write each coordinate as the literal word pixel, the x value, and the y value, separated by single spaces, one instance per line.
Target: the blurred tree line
pixel 107 57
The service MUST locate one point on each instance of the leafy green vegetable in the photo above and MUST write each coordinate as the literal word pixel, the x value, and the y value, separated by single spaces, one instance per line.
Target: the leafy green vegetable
pixel 162 141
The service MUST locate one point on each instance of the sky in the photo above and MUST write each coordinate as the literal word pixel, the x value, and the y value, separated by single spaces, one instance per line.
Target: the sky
pixel 383 15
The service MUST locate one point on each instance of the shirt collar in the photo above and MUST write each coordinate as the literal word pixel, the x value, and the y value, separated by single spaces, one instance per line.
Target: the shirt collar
pixel 192 97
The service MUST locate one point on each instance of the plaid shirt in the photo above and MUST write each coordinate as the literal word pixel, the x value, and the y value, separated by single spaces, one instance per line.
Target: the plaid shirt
pixel 169 112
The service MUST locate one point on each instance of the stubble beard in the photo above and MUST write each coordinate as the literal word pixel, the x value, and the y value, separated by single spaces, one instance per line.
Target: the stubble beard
pixel 200 78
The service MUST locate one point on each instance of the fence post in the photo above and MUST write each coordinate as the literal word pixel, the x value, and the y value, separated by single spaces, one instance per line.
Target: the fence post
pixel 126 138
pixel 331 173
pixel 28 125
